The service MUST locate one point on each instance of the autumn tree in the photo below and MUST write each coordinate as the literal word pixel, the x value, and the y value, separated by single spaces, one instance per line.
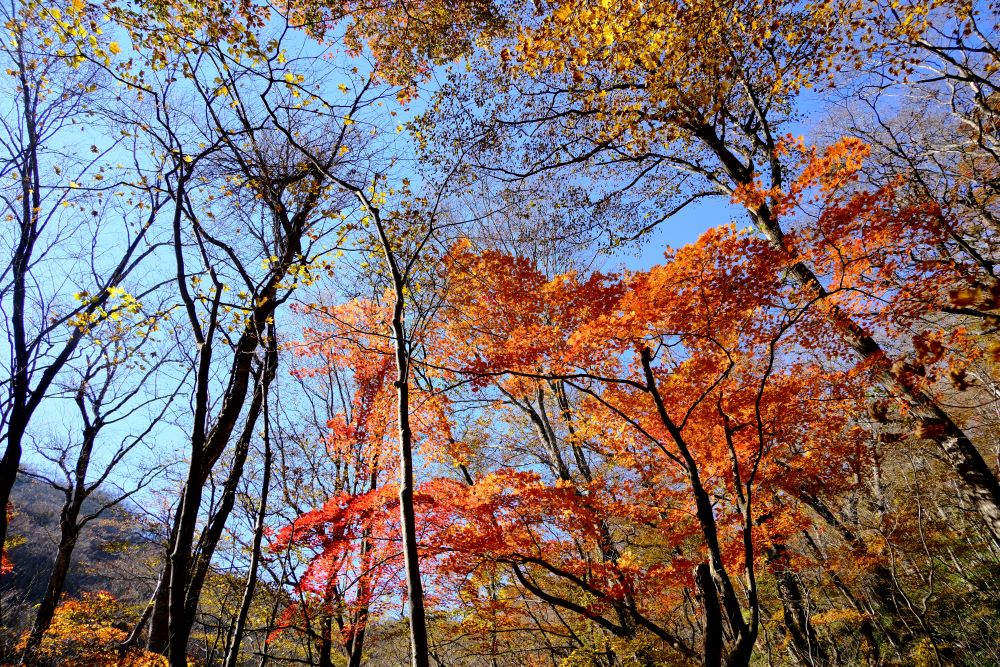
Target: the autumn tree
pixel 77 228
pixel 415 395
pixel 257 233
pixel 353 554
pixel 714 350
pixel 108 389
pixel 668 107
pixel 88 631
pixel 289 170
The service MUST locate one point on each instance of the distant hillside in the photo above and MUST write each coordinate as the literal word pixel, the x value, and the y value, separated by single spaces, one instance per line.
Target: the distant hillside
pixel 114 552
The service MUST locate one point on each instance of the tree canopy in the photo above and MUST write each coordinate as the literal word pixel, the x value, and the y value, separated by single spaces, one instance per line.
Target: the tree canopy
pixel 577 333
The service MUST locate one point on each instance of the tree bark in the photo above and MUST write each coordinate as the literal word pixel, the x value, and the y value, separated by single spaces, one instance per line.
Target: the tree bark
pixel 326 643
pixel 414 588
pixel 804 645
pixel 712 641
pixel 158 640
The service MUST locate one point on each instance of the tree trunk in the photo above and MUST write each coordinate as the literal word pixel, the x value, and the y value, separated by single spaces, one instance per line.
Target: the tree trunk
pixel 159 632
pixel 326 643
pixel 804 645
pixel 69 532
pixel 414 588
pixel 208 542
pixel 356 647
pixel 712 641
pixel 185 565
pixel 179 623
pixel 8 475
pixel 744 633
pixel 31 202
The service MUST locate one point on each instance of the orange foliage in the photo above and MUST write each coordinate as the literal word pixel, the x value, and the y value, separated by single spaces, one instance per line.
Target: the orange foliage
pixel 355 566
pixel 756 419
pixel 879 253
pixel 87 632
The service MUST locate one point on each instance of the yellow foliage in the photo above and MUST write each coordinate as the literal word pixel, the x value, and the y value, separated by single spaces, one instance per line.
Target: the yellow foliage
pixel 88 631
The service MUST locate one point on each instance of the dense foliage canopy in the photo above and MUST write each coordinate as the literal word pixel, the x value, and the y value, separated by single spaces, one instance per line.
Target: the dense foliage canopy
pixel 354 334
